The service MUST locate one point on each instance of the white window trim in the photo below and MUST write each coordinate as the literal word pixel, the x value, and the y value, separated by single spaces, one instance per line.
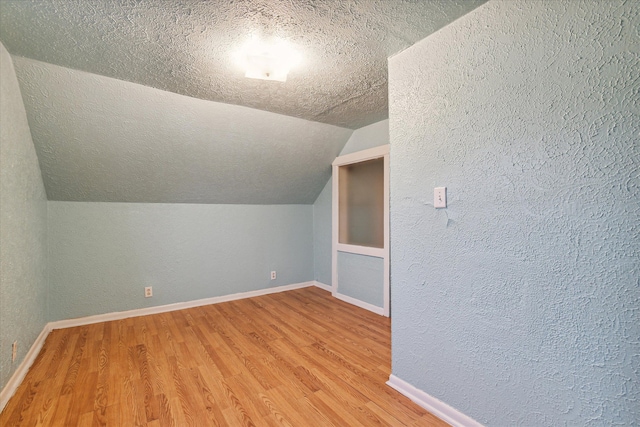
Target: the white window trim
pixel 361 156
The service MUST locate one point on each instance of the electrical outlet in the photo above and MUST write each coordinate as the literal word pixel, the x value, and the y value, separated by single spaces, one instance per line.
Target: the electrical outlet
pixel 273 275
pixel 148 292
pixel 14 351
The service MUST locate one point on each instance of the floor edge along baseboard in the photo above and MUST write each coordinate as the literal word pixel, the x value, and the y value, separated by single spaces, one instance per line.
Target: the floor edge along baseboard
pixel 432 404
pixel 118 315
pixel 365 305
pixel 18 376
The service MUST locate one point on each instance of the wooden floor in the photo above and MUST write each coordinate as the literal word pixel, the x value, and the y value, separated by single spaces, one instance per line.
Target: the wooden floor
pixel 297 358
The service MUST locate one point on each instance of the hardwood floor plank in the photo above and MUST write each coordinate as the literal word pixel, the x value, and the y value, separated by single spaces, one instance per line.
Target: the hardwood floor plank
pixel 333 410
pixel 45 411
pixel 85 420
pixel 236 411
pixel 133 393
pixel 62 405
pixel 293 359
pixel 213 397
pixel 183 395
pixel 21 411
pixel 165 415
pixel 276 417
pixel 162 380
pixel 250 391
pixel 296 409
pixel 149 401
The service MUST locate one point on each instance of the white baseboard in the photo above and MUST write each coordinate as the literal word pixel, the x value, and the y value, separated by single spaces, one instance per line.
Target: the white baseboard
pixel 16 379
pixel 361 304
pixel 323 286
pixel 80 321
pixel 435 406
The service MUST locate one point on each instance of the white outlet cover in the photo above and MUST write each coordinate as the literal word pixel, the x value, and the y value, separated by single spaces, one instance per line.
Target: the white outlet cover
pixel 440 197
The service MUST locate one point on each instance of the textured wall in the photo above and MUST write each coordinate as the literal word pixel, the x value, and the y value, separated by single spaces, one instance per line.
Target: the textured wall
pixel 519 303
pixel 361 277
pixel 189 47
pixel 23 227
pixel 103 254
pixel 105 140
pixel 371 136
pixel 374 135
pixel 322 236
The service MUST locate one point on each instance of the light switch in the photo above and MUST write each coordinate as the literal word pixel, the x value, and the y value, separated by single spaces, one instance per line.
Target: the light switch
pixel 440 197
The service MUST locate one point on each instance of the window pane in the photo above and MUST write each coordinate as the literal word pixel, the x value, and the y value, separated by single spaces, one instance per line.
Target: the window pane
pixel 361 203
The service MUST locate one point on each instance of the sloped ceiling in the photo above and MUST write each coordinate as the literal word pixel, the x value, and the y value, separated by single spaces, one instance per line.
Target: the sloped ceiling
pixel 102 139
pixel 141 101
pixel 187 47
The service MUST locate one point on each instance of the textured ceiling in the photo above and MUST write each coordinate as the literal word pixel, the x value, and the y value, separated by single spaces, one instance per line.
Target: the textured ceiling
pixel 187 47
pixel 142 100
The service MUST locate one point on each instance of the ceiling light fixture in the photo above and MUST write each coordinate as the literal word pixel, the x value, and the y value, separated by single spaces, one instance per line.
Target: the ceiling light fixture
pixel 268 60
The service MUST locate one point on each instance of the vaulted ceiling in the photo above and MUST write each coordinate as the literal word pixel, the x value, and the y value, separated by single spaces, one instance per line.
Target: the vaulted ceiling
pixel 118 93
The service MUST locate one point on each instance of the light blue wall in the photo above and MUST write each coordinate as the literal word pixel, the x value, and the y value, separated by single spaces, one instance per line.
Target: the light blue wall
pixel 23 227
pixel 361 277
pixel 519 303
pixel 371 136
pixel 103 254
pixel 322 235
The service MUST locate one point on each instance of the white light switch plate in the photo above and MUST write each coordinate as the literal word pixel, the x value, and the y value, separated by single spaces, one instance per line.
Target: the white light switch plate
pixel 440 197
